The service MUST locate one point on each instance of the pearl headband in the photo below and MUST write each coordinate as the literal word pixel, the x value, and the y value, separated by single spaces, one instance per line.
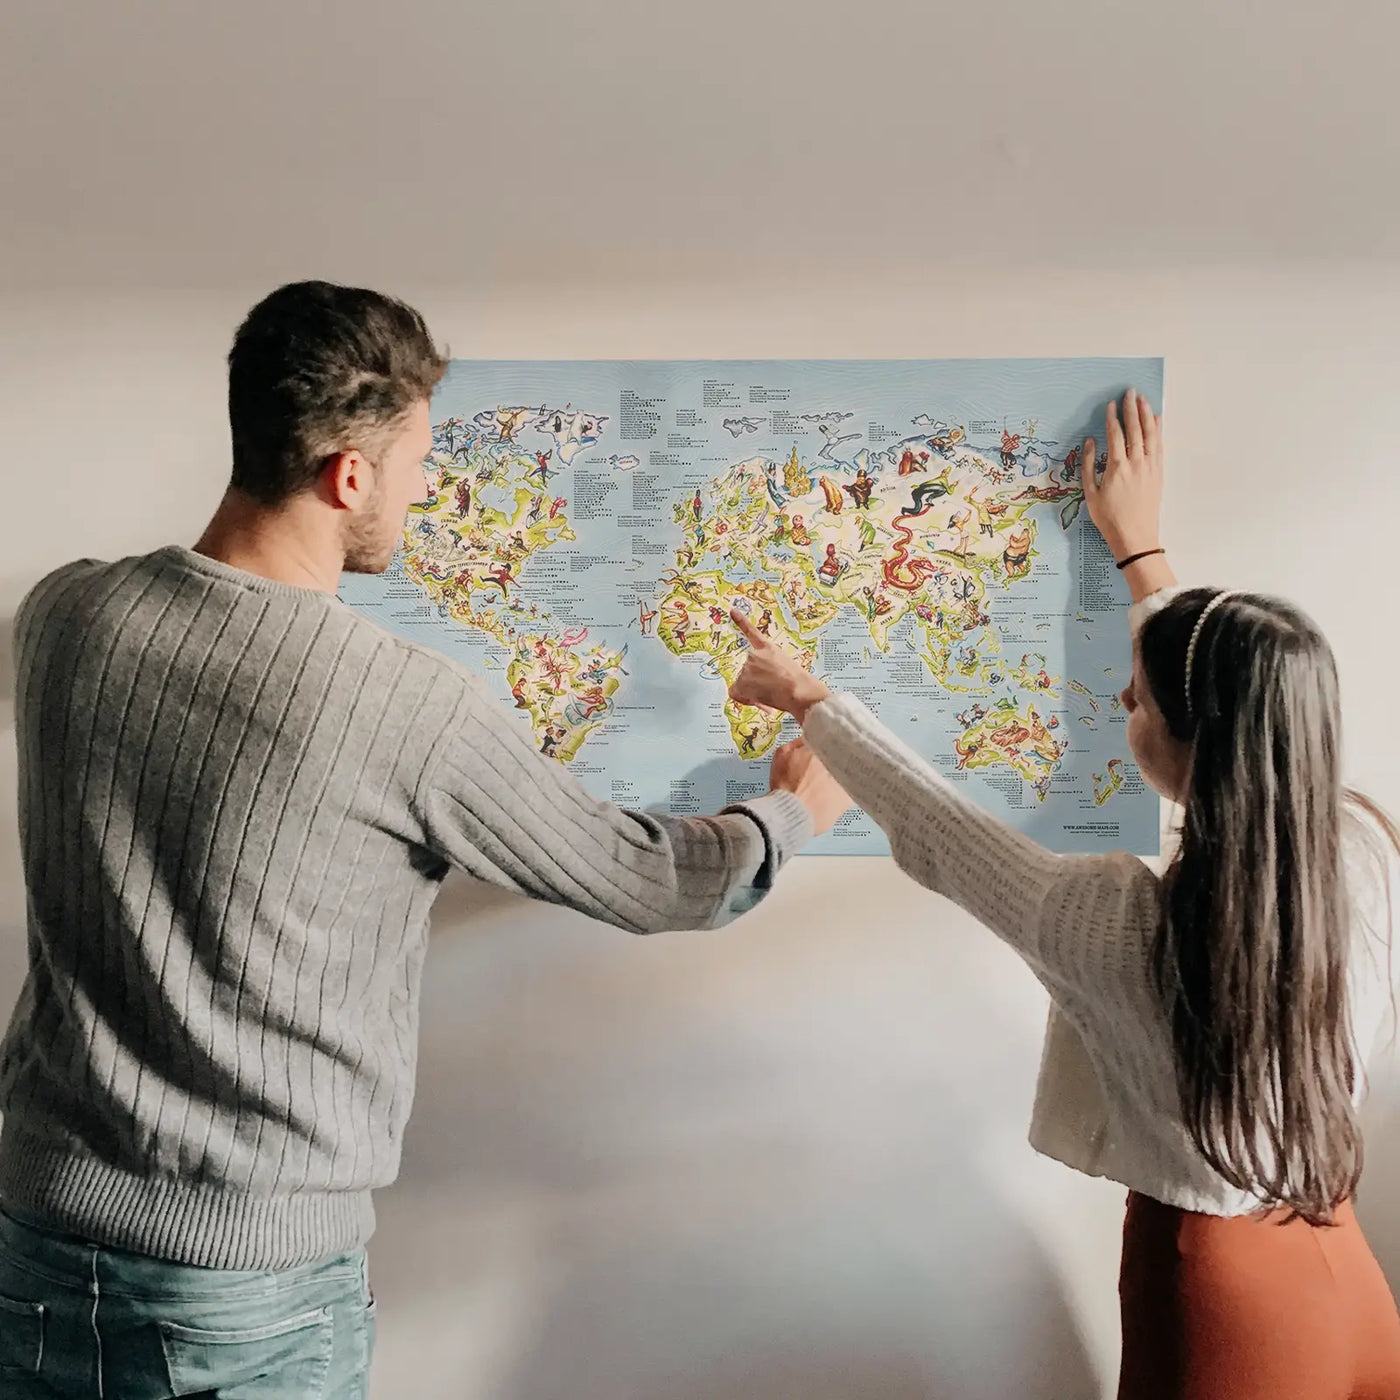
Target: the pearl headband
pixel 1206 611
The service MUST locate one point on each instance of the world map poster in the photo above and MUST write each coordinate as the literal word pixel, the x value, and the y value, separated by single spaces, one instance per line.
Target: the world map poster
pixel 914 531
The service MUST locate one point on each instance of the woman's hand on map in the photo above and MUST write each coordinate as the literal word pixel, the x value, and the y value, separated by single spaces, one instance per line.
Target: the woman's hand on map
pixel 797 769
pixel 771 678
pixel 1126 502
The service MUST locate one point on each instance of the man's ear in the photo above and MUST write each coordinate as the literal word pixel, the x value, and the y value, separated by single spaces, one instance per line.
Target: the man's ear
pixel 346 480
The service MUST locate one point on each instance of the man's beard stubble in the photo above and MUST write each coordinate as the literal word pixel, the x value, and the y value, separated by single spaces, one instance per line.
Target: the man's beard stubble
pixel 371 540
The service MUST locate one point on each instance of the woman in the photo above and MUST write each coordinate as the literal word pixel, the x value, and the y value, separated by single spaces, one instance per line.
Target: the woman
pixel 1205 1041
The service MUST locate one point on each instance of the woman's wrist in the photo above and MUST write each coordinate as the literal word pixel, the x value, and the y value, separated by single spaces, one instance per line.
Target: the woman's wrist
pixel 805 694
pixel 1121 561
pixel 1126 546
pixel 1148 575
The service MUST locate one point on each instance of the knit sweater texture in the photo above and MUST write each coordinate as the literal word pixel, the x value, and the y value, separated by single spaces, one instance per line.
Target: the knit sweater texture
pixel 238 799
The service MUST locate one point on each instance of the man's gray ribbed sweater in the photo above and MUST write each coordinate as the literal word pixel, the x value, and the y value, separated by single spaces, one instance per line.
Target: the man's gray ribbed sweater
pixel 237 801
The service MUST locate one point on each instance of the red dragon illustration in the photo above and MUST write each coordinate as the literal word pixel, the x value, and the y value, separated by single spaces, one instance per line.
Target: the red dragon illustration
pixel 909 575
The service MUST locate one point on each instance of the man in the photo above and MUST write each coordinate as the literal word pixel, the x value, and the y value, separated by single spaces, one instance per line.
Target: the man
pixel 238 799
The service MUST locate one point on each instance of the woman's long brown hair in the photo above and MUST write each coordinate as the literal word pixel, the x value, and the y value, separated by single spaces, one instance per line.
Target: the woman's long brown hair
pixel 1256 930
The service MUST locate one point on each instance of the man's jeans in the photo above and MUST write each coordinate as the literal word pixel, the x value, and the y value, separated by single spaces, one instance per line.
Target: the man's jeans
pixel 81 1322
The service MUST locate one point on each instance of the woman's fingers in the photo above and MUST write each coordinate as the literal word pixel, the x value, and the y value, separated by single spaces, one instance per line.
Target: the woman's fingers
pixel 1088 469
pixel 1113 432
pixel 1132 423
pixel 747 630
pixel 1149 426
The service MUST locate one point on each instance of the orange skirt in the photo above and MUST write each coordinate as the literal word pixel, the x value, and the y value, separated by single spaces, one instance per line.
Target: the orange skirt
pixel 1251 1308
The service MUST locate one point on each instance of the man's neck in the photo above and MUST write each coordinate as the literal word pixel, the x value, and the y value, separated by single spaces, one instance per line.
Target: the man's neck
pixel 280 543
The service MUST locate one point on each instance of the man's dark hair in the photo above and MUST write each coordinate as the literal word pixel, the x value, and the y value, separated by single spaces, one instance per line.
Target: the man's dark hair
pixel 318 369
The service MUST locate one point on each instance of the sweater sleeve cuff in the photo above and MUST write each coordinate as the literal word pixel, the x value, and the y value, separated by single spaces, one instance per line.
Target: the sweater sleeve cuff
pixel 786 825
pixel 1153 603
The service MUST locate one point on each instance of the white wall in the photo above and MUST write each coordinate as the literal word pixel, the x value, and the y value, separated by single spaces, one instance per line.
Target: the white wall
pixel 785 1160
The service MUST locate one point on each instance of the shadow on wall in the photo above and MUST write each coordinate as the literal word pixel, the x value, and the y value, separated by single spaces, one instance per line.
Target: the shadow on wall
pixel 740 1163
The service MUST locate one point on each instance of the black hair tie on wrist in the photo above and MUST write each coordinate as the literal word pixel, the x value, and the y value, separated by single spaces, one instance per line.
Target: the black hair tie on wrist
pixel 1133 558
